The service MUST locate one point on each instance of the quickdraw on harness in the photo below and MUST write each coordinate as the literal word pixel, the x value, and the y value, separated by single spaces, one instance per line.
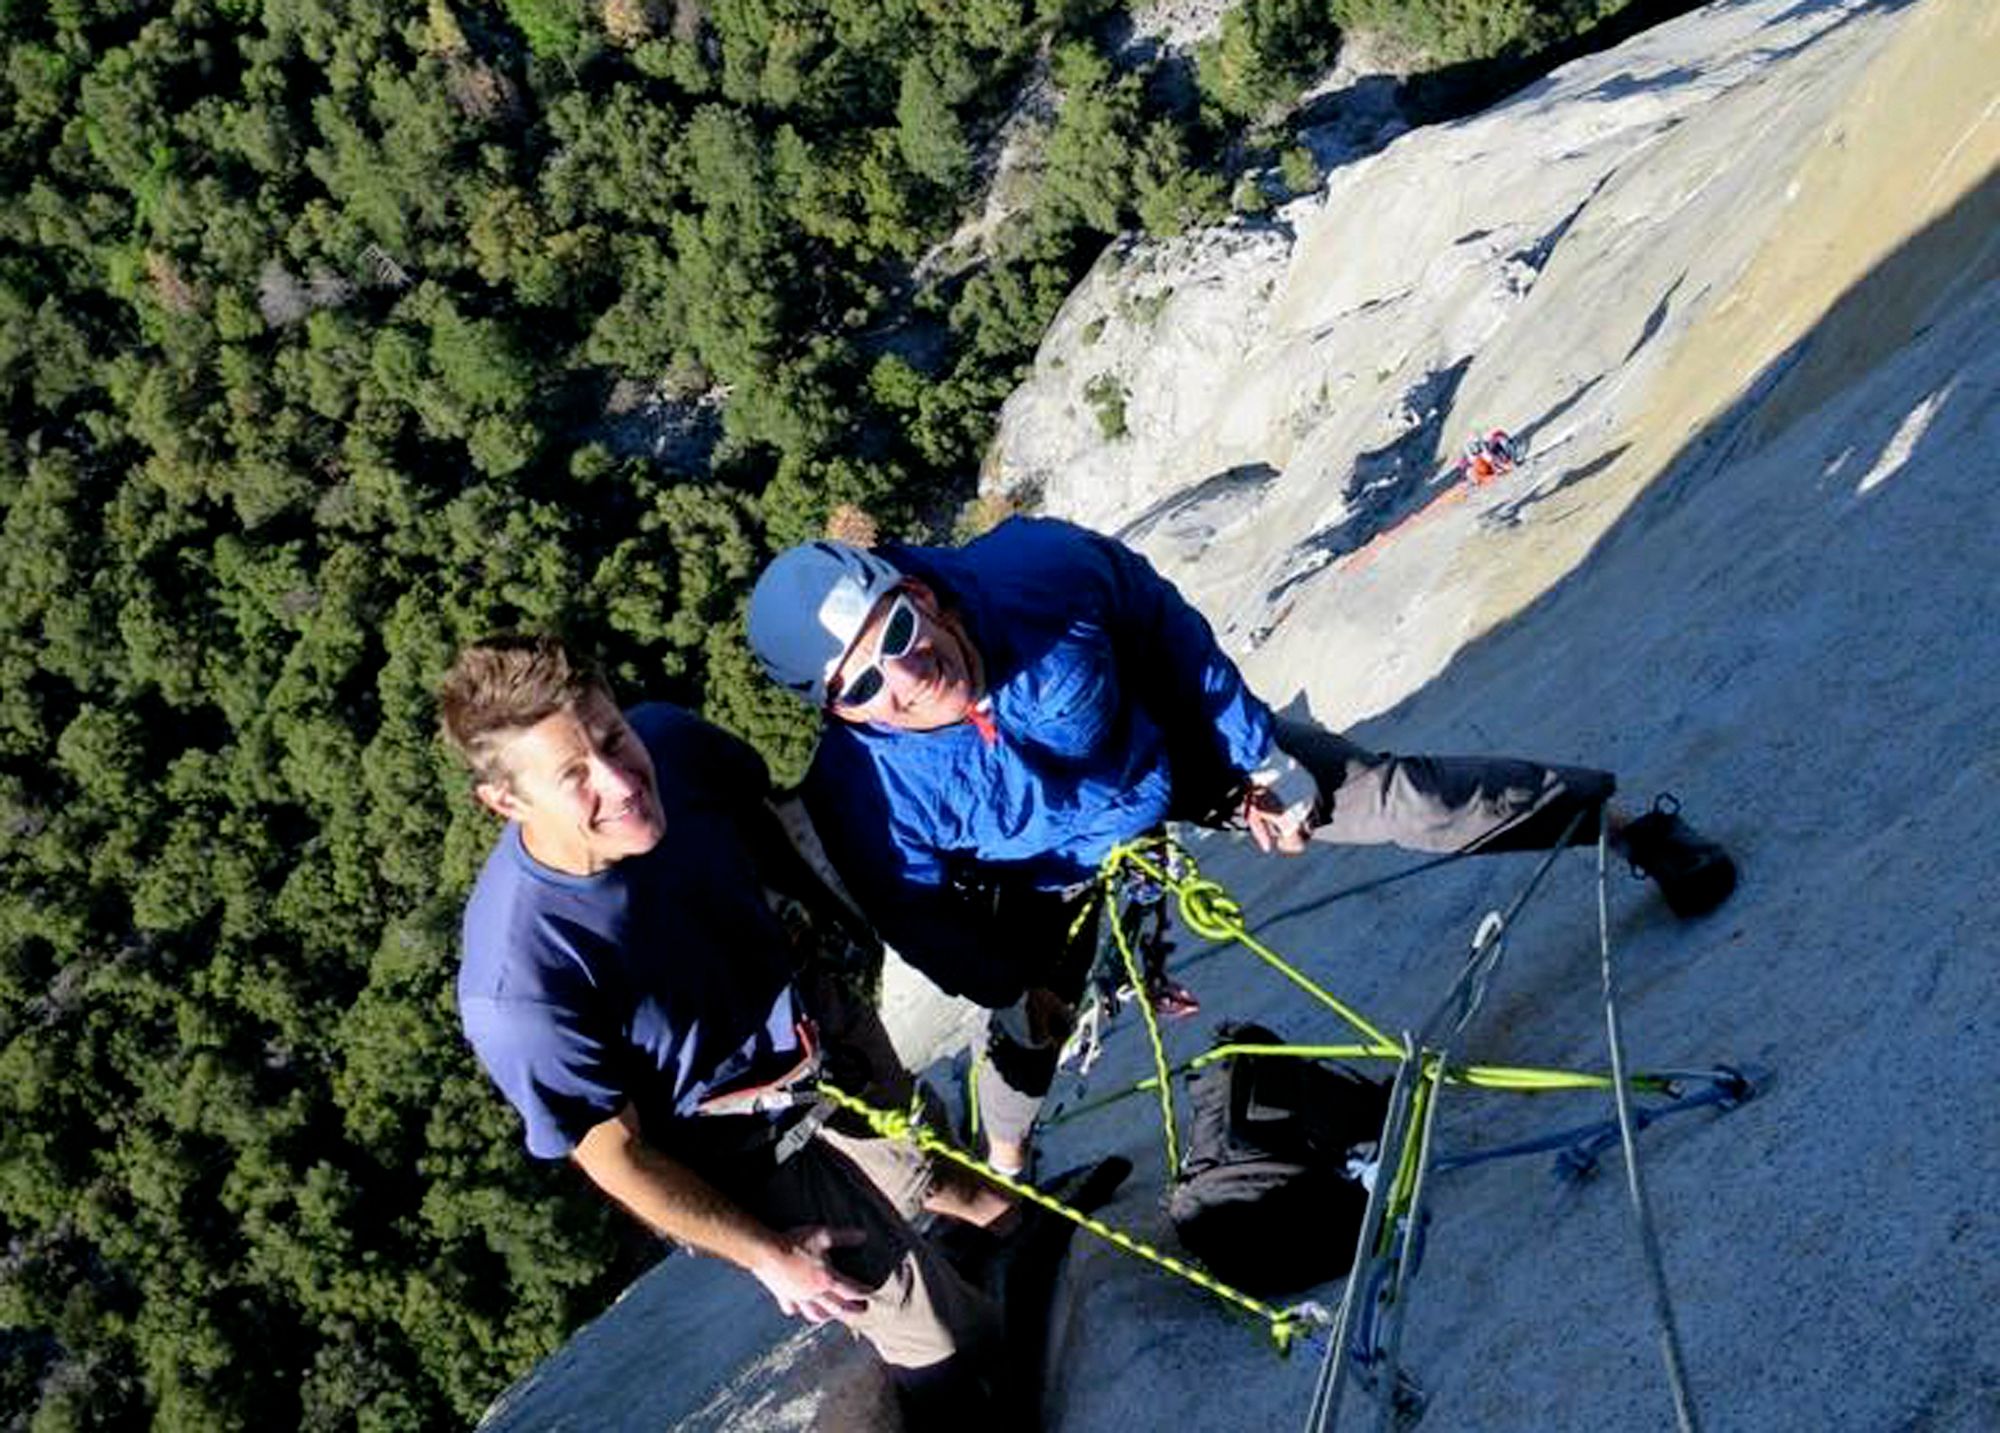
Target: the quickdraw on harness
pixel 1366 1330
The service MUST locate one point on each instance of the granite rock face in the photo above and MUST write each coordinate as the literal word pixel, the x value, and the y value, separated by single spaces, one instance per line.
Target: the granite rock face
pixel 1736 286
pixel 1258 404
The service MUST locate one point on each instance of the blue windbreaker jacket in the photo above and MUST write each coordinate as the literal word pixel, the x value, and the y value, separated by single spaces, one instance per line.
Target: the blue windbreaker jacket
pixel 1115 709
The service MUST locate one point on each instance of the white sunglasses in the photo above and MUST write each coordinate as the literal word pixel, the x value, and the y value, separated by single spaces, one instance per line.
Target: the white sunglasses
pixel 899 634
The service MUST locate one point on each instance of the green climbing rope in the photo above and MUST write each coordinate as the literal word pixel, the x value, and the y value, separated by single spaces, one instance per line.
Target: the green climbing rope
pixel 910 1127
pixel 1208 910
pixel 1162 1081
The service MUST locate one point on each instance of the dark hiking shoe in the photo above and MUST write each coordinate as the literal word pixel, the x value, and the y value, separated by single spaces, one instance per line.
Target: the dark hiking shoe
pixel 1694 874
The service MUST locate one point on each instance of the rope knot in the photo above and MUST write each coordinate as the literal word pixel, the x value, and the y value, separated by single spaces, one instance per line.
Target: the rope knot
pixel 1209 910
pixel 895 1124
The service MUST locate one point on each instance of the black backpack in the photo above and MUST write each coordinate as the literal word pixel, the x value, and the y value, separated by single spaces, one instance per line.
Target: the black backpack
pixel 1264 1198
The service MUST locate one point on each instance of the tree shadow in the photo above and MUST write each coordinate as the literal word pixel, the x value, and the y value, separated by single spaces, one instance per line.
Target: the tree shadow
pixel 1457 91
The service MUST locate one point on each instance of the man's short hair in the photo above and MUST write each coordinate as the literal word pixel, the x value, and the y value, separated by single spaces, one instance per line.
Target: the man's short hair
pixel 505 684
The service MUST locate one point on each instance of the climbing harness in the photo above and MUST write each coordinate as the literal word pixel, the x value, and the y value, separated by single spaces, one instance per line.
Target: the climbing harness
pixel 788 1090
pixel 1362 1339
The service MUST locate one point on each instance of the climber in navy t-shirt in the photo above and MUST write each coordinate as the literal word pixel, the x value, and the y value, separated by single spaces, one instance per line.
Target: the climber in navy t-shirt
pixel 631 989
pixel 660 979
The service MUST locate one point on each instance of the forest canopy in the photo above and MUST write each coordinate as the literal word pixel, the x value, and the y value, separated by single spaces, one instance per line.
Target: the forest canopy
pixel 334 333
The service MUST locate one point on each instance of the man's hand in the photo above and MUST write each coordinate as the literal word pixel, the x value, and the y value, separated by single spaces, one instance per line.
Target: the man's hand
pixel 1278 805
pixel 682 1205
pixel 806 1286
pixel 1275 827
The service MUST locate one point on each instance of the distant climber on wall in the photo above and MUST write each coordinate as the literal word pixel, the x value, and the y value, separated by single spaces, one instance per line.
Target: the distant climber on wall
pixel 1000 715
pixel 630 986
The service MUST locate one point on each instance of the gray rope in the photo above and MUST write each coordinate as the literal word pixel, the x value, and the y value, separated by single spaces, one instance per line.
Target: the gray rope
pixel 1392 1414
pixel 1649 1242
pixel 1334 1362
pixel 1449 1019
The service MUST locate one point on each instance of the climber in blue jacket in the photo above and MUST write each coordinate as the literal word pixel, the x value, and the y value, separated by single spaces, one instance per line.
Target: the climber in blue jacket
pixel 1001 715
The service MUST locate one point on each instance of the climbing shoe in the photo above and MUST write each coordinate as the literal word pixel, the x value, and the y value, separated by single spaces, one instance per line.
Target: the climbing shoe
pixel 1694 874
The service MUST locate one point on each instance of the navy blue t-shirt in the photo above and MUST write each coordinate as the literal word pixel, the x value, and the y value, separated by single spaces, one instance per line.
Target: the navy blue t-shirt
pixel 660 980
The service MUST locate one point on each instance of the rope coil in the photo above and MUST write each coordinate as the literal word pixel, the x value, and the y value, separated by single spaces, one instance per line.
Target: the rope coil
pixel 1209 910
